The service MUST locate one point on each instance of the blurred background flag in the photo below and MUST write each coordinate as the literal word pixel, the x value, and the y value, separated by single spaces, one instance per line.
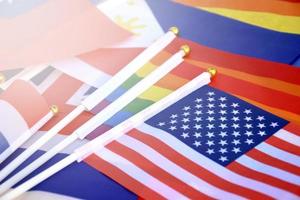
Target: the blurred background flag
pixel 229 34
pixel 41 31
pixel 22 117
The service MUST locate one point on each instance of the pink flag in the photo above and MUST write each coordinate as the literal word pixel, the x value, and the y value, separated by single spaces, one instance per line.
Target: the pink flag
pixel 54 30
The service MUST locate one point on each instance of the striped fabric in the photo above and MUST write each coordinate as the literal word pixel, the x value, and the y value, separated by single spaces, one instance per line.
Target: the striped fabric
pixel 208 145
pixel 280 16
pixel 224 33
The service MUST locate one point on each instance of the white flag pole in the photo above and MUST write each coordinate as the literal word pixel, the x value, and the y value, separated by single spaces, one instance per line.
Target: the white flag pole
pixel 26 135
pixel 82 152
pixel 91 101
pixel 101 117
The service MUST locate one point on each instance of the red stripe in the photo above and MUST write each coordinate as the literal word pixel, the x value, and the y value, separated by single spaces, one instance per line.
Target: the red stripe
pixel 252 174
pixel 194 168
pixel 241 63
pixel 122 178
pixel 265 158
pixel 293 128
pixel 245 89
pixel 283 145
pixel 155 171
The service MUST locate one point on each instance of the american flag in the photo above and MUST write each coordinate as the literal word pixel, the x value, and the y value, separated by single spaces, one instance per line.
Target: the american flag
pixel 208 145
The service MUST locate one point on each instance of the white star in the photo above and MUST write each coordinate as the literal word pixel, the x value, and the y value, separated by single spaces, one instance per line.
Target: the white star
pixel 274 124
pixel 236 149
pixel 210 142
pixel 210 93
pixel 198 106
pixel 210 134
pixel 222 105
pixel 197 134
pixel 260 118
pixel 223 150
pixel 223 142
pixel 248 133
pixel 197 143
pixel 223 112
pixel 185 135
pixel 172 128
pixel 198 100
pixel 210 112
pixel 235 119
pixel 222 134
pixel 261 125
pixel 197 126
pixel 261 133
pixel 185 120
pixel 210 151
pixel 210 119
pixel 223 126
pixel 235 105
pixel 186 108
pixel 186 114
pixel 173 121
pixel 210 126
pixel 247 111
pixel 174 116
pixel 161 123
pixel 223 158
pixel 236 142
pixel 235 126
pixel 236 133
pixel 248 126
pixel 248 119
pixel 185 126
pixel 210 105
pixel 249 141
pixel 198 112
pixel 222 99
pixel 235 112
pixel 210 99
pixel 198 119
pixel 222 118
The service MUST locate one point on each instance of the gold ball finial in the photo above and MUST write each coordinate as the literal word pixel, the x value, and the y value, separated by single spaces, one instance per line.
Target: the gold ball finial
pixel 54 109
pixel 212 71
pixel 186 49
pixel 2 78
pixel 174 29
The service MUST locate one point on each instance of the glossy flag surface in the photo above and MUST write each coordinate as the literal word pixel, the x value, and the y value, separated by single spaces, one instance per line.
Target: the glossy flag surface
pixel 208 145
pixel 227 34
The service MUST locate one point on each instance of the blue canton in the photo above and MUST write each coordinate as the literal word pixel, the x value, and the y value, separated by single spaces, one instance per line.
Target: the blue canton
pixel 216 124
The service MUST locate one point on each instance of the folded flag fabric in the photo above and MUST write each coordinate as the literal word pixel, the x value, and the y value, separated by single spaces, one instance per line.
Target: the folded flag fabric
pixel 208 145
pixel 227 34
pixel 277 15
pixel 20 118
pixel 50 33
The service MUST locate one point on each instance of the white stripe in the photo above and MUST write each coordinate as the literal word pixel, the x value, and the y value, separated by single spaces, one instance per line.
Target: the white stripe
pixel 288 137
pixel 54 141
pixel 139 175
pixel 176 170
pixel 80 70
pixel 12 124
pixel 212 166
pixel 42 87
pixel 269 170
pixel 44 195
pixel 279 154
